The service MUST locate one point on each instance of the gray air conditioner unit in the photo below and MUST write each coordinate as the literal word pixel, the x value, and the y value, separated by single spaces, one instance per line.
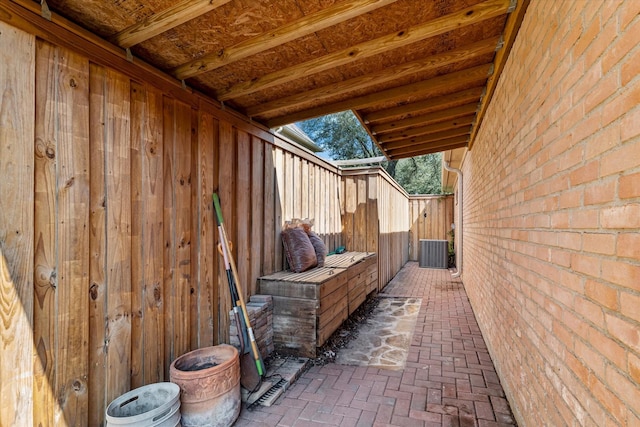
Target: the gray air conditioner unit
pixel 433 253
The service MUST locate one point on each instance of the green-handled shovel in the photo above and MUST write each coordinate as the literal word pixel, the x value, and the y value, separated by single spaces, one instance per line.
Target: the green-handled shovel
pixel 252 369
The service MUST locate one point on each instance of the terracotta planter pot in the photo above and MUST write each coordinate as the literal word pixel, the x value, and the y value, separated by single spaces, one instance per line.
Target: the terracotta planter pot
pixel 209 379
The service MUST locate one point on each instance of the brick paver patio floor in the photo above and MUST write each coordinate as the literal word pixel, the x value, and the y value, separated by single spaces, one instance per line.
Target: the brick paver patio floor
pixel 449 378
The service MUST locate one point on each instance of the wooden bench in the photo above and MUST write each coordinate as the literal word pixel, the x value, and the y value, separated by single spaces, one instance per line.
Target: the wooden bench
pixel 308 307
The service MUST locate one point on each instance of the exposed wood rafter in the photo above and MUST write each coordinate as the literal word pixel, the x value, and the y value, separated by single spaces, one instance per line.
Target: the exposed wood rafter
pixel 428 105
pixel 456 130
pixel 434 117
pixel 163 21
pixel 419 149
pixel 470 51
pixel 424 130
pixel 427 137
pixel 471 15
pixel 306 25
pixel 409 70
pixel 422 88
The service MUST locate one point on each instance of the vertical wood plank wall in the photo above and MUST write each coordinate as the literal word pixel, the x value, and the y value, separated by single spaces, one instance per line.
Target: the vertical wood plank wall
pixel 109 267
pixel 430 218
pixel 375 215
pixel 17 162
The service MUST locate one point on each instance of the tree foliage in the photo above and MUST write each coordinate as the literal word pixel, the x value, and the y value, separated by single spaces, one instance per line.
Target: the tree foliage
pixel 420 175
pixel 342 137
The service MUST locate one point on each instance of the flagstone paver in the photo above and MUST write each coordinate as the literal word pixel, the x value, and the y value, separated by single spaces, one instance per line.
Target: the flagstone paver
pixel 448 380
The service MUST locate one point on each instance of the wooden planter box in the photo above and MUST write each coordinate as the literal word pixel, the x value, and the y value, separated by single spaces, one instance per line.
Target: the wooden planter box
pixel 308 307
pixel 362 273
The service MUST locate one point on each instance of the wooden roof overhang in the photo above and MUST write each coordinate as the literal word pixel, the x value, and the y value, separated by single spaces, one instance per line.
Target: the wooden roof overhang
pixel 419 74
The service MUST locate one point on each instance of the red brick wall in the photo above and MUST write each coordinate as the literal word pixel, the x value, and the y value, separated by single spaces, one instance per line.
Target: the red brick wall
pixel 552 216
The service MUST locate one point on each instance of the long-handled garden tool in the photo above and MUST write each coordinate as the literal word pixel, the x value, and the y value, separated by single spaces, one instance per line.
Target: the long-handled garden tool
pixel 249 377
pixel 252 370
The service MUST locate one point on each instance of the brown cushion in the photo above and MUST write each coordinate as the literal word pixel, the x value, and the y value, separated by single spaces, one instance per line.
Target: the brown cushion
pixel 319 247
pixel 298 248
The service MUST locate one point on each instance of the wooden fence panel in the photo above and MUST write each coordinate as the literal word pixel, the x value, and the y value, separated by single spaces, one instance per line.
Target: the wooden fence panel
pixel 243 213
pixel 226 189
pixel 72 246
pixel 146 242
pixel 204 255
pixel 257 216
pixel 269 212
pixel 117 182
pixel 376 213
pixel 17 55
pixel 280 213
pixel 431 217
pixel 127 275
pixel 97 247
pixel 44 329
pixel 177 228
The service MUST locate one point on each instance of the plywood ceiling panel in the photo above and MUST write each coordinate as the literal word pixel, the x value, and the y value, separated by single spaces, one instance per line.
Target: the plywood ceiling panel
pixel 418 73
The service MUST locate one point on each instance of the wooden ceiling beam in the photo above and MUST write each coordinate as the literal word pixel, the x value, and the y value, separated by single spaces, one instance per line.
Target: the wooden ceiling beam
pixel 422 138
pixel 437 116
pixel 441 145
pixel 470 15
pixel 306 25
pixel 446 101
pixel 426 150
pixel 428 129
pixel 165 20
pixel 469 51
pixel 422 88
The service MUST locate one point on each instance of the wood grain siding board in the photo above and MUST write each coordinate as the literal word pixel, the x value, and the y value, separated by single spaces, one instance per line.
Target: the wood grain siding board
pixel 360 218
pixel 243 212
pixel 17 53
pixel 183 136
pixel 289 182
pixel 169 234
pixel 45 256
pixel 138 208
pixel 304 189
pixel 372 215
pixel 204 255
pixel 97 246
pixel 177 228
pixel 226 191
pixel 269 238
pixel 195 211
pixel 71 133
pixel 311 194
pixel 297 187
pixel 279 207
pixel 117 180
pixel 147 260
pixel 256 245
